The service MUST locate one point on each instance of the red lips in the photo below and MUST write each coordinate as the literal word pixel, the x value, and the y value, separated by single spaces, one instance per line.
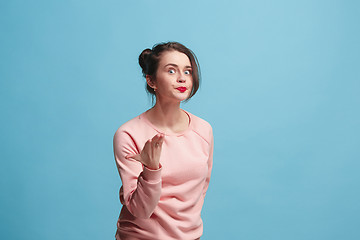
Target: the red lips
pixel 181 89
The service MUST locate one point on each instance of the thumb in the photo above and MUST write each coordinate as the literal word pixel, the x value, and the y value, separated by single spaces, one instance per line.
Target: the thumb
pixel 135 157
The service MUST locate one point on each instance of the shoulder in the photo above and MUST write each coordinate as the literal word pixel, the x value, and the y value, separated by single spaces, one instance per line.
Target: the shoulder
pixel 132 127
pixel 130 124
pixel 201 127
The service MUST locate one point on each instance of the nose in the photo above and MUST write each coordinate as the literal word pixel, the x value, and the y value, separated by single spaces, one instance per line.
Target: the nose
pixel 181 78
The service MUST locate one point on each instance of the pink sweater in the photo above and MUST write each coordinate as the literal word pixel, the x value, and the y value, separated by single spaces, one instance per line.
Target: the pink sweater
pixel 164 203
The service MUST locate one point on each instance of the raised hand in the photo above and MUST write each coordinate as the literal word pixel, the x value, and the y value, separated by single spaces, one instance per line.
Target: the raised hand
pixel 150 154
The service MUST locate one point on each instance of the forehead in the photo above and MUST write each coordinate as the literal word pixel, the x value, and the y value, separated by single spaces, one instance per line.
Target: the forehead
pixel 175 57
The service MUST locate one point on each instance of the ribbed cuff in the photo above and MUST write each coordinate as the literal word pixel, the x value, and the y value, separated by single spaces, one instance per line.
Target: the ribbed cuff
pixel 151 175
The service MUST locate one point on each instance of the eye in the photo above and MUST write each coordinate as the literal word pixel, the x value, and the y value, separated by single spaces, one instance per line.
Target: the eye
pixel 172 71
pixel 187 72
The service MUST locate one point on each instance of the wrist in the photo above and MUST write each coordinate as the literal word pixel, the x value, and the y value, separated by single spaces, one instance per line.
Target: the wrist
pixel 153 167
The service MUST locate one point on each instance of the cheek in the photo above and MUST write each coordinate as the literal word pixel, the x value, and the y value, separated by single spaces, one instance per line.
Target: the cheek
pixel 191 81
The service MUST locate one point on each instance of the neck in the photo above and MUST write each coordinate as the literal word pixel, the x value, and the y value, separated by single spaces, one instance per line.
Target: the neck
pixel 167 114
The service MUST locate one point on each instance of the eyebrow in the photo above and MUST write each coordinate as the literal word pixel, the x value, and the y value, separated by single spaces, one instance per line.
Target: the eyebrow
pixel 174 65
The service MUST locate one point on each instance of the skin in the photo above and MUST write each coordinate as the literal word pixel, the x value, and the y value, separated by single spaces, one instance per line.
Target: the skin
pixel 174 71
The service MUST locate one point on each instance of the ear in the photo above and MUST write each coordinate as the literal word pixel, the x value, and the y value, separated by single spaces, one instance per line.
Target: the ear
pixel 150 82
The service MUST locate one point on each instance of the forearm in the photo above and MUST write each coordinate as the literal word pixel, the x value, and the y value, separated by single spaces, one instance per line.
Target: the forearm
pixel 142 200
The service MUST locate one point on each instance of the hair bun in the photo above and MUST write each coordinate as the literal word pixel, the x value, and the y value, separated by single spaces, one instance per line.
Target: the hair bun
pixel 143 60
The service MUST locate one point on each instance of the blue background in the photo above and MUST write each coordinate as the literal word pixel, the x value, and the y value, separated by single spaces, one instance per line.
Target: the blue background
pixel 281 85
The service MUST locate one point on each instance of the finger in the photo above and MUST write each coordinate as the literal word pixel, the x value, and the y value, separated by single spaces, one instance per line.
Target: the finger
pixel 162 137
pixel 130 155
pixel 135 157
pixel 159 144
pixel 147 145
pixel 160 140
pixel 155 140
pixel 156 137
pixel 155 144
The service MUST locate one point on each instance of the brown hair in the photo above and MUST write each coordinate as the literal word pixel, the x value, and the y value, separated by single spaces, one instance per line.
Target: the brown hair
pixel 149 62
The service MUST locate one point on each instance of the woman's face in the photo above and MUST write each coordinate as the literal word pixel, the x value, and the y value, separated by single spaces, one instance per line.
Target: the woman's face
pixel 173 77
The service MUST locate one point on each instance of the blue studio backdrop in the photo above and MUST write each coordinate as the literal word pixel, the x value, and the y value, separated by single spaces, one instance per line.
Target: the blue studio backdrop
pixel 280 86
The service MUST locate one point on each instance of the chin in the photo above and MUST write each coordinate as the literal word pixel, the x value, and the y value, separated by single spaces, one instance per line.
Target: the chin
pixel 183 98
pixel 179 97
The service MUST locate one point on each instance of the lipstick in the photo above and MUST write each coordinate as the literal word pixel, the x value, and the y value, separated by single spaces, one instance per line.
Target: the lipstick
pixel 181 89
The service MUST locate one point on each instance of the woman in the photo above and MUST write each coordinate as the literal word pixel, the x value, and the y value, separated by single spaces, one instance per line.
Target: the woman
pixel 164 155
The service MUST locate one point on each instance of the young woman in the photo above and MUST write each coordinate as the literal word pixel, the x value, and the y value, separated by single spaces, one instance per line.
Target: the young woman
pixel 164 155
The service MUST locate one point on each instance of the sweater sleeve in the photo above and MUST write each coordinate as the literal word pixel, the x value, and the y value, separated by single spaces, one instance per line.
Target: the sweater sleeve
pixel 210 163
pixel 141 186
